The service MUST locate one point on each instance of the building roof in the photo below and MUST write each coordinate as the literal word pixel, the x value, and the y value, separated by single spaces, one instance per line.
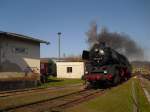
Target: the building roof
pixel 46 60
pixel 15 35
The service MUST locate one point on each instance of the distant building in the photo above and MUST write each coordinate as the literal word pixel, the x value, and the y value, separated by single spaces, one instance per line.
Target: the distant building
pixel 141 67
pixel 70 69
pixel 48 66
pixel 19 53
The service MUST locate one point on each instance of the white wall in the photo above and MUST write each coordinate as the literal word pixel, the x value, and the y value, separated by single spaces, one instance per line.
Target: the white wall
pixel 77 69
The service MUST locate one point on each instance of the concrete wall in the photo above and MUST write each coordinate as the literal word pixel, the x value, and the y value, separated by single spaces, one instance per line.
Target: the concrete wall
pixel 18 84
pixel 12 60
pixel 77 69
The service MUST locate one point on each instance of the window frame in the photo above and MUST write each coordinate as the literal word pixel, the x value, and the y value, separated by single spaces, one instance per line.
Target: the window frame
pixel 69 70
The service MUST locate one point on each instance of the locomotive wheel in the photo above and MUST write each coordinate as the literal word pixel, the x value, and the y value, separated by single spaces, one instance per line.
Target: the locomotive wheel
pixel 117 78
pixel 88 85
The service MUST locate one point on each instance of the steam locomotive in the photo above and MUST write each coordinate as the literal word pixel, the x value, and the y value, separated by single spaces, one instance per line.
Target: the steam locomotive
pixel 105 65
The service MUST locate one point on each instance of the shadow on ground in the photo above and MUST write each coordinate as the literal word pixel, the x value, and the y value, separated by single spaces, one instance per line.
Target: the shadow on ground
pixel 55 80
pixel 105 85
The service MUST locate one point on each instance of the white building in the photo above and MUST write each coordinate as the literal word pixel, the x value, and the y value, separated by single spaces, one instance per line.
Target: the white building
pixel 19 53
pixel 70 69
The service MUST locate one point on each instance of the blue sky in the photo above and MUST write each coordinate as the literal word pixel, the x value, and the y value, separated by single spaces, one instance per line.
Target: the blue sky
pixel 44 18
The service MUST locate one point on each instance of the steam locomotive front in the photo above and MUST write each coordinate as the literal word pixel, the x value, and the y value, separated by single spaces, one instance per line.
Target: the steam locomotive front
pixel 105 64
pixel 99 57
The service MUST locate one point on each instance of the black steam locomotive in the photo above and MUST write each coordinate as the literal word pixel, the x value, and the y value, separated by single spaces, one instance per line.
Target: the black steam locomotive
pixel 103 64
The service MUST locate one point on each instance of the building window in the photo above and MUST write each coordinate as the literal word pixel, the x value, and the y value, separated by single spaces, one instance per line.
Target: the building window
pixel 18 50
pixel 69 69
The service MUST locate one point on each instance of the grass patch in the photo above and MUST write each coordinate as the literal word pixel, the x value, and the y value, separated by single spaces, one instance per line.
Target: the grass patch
pixel 143 103
pixel 118 99
pixel 53 81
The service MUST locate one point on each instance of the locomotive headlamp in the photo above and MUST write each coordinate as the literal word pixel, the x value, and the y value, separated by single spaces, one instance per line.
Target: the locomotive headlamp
pixel 105 71
pixel 96 50
pixel 86 72
pixel 101 51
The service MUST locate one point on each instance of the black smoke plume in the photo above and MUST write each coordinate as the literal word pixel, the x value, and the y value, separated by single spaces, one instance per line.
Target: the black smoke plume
pixel 118 41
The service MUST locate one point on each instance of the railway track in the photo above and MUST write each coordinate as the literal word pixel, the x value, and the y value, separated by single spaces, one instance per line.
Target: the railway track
pixel 56 104
pixel 146 76
pixel 32 90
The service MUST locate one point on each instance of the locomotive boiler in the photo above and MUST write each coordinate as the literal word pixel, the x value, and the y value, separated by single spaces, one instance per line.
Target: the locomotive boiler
pixel 104 64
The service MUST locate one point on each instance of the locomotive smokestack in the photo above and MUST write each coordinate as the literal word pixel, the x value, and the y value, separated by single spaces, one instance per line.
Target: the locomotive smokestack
pixel 118 41
pixel 102 44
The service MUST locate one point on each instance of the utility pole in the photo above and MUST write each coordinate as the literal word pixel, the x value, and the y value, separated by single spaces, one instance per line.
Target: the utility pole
pixel 59 33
